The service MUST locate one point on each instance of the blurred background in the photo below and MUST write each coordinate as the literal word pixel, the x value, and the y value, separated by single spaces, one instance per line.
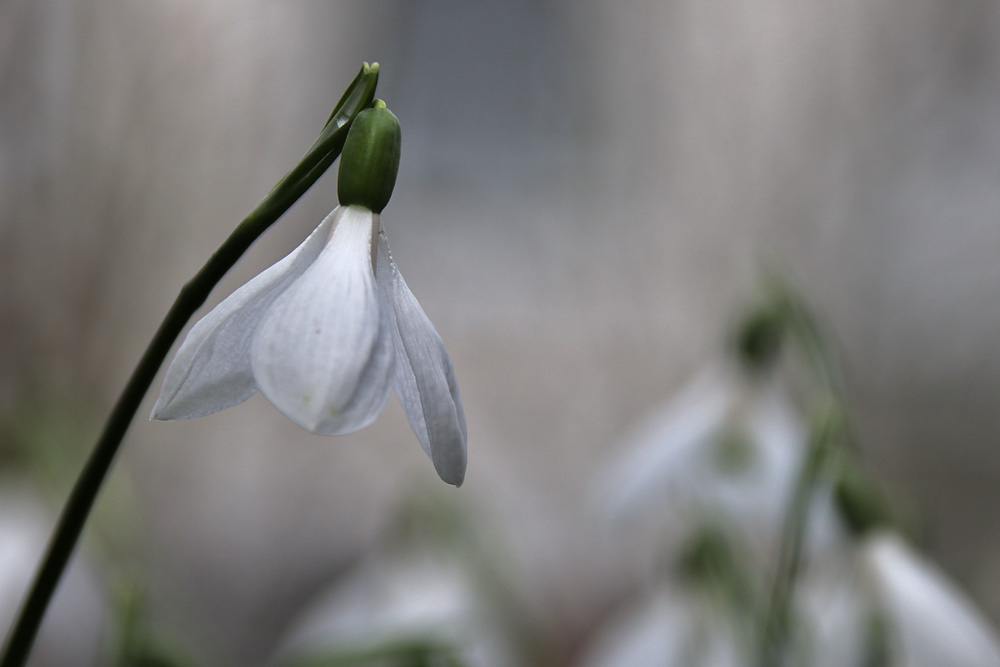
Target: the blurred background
pixel 587 192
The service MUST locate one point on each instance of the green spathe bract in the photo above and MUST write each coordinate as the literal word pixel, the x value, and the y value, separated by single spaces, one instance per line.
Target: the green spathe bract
pixel 370 159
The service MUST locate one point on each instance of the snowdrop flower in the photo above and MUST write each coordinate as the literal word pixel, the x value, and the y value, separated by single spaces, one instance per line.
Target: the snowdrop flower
pixel 923 620
pixel 930 622
pixel 401 595
pixel 838 625
pixel 728 448
pixel 328 332
pixel 77 621
pixel 671 627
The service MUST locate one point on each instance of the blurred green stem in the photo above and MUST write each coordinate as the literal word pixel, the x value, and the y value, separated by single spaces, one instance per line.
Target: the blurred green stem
pixel 776 630
pixel 417 652
pixel 317 159
pixel 828 429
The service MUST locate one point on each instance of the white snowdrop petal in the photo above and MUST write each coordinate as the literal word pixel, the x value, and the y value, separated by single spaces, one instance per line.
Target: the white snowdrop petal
pixel 316 353
pixel 668 628
pixel 375 384
pixel 662 457
pixel 211 370
pixel 933 624
pixel 425 381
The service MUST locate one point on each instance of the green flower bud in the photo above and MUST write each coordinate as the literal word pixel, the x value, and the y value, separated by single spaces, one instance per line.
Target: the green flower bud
pixel 862 505
pixel 733 452
pixel 370 159
pixel 711 562
pixel 758 338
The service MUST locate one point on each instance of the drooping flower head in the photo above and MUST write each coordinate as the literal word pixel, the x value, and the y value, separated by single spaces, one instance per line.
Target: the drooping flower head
pixel 329 331
pixel 879 597
pixel 725 448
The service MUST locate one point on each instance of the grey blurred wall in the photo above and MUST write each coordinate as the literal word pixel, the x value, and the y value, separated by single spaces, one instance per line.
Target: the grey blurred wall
pixel 586 191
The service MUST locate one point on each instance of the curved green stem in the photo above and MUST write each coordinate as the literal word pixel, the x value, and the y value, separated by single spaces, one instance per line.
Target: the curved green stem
pixel 321 155
pixel 828 429
pixel 402 651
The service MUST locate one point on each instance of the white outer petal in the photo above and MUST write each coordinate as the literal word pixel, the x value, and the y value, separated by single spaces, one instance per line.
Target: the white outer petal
pixel 672 460
pixel 667 628
pixel 211 370
pixel 425 381
pixel 655 464
pixel 934 624
pixel 78 618
pixel 834 610
pixel 322 353
pixel 390 595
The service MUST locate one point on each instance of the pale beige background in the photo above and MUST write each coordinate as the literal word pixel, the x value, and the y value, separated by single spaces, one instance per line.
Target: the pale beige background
pixel 586 191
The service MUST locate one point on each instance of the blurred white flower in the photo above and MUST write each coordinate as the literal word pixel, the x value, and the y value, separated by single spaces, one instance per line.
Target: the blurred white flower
pixel 728 449
pixel 882 592
pixel 71 633
pixel 671 627
pixel 399 597
pixel 325 334
pixel 835 613
pixel 930 621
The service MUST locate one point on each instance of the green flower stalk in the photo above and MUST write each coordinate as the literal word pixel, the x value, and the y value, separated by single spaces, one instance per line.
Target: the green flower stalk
pixel 327 147
pixel 786 318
